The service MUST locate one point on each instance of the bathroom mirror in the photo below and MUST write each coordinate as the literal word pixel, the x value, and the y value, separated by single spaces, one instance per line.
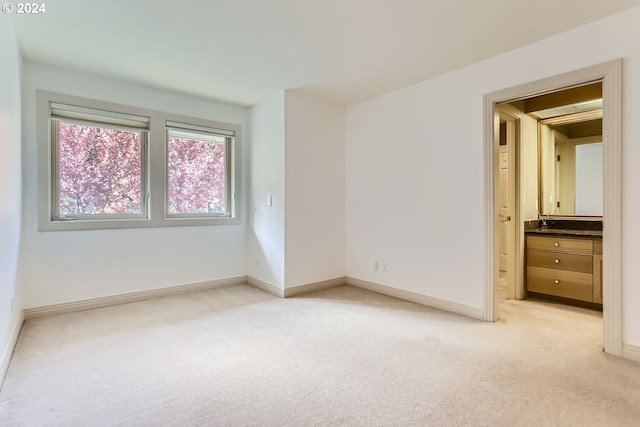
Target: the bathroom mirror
pixel 571 165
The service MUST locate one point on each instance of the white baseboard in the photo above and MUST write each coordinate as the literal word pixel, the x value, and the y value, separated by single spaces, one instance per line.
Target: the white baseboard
pixel 92 303
pixel 70 307
pixel 453 307
pixel 268 287
pixel 631 352
pixel 294 290
pixel 310 287
pixel 8 352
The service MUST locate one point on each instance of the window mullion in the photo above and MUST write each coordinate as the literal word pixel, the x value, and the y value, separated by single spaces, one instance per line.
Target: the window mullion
pixel 156 163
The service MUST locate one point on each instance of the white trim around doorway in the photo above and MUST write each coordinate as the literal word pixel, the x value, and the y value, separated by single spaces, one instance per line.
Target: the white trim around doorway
pixel 611 75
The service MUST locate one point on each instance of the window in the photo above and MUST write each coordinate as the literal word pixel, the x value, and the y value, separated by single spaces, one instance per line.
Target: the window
pixel 197 171
pixel 105 165
pixel 98 165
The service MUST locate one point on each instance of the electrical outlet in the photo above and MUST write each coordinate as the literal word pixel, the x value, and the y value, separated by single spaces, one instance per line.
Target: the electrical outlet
pixel 385 268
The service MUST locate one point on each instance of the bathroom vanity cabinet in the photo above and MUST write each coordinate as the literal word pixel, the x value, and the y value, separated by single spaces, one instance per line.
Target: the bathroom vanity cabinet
pixel 565 266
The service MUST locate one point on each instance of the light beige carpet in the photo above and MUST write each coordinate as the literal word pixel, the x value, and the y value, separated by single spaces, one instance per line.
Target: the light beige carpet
pixel 237 356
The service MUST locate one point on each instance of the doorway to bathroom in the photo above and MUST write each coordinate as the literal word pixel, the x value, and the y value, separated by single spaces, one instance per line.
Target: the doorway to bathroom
pixel 499 112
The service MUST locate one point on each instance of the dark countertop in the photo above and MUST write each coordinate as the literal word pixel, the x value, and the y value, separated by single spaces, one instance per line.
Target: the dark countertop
pixel 564 232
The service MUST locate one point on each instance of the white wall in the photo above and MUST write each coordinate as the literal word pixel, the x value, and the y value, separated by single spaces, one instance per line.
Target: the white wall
pixel 415 167
pixel 265 234
pixel 10 190
pixel 59 267
pixel 414 189
pixel 297 157
pixel 529 168
pixel 315 202
pixel 549 194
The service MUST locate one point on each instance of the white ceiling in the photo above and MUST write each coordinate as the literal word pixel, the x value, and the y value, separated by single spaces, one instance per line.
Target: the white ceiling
pixel 240 50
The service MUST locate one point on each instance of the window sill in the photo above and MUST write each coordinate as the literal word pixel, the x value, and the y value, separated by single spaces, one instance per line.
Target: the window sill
pixel 102 224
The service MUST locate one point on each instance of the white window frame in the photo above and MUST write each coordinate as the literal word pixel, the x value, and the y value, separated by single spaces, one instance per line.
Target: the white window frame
pixel 61 113
pixel 51 105
pixel 202 133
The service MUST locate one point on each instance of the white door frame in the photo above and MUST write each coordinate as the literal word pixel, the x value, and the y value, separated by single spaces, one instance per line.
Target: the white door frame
pixel 611 75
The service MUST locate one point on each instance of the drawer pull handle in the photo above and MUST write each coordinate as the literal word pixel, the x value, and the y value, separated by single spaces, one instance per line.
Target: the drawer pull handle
pixel 557 261
pixel 556 244
pixel 556 281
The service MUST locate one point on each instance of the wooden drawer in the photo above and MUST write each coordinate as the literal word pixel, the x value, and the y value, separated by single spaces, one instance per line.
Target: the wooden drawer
pixel 560 261
pixel 566 284
pixel 563 244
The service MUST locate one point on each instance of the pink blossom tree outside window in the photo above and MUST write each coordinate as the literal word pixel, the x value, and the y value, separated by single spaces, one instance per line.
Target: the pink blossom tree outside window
pixel 196 174
pixel 99 170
